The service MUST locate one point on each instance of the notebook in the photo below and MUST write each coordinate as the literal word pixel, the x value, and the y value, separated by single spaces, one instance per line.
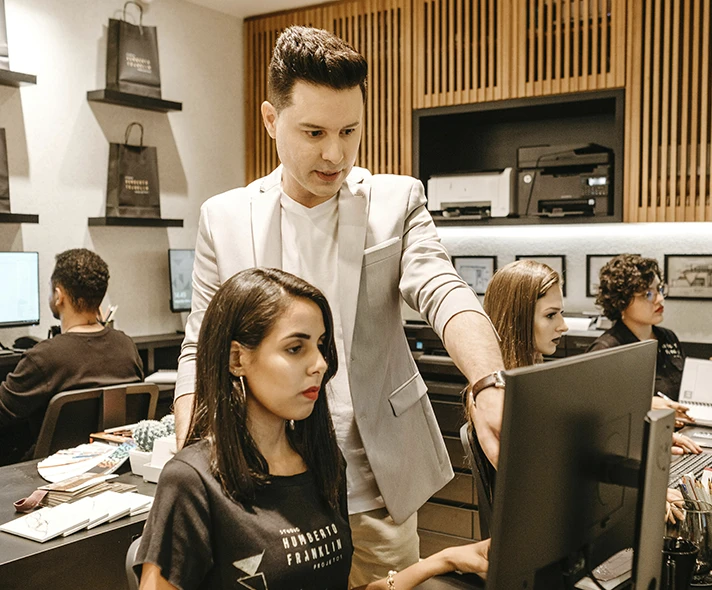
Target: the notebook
pixel 696 390
pixel 47 523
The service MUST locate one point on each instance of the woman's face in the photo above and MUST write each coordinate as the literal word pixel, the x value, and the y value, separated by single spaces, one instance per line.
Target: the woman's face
pixel 284 373
pixel 549 322
pixel 646 308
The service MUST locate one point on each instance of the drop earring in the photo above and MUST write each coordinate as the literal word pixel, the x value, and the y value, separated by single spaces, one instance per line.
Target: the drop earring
pixel 290 424
pixel 240 391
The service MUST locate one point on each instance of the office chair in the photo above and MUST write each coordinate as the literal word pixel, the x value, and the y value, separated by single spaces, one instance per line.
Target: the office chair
pixel 131 575
pixel 72 416
pixel 484 475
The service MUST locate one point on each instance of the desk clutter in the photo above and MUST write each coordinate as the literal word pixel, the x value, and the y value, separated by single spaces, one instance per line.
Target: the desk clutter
pixel 85 513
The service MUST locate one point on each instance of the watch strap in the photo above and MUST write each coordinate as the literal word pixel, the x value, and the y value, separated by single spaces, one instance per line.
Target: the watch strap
pixel 492 380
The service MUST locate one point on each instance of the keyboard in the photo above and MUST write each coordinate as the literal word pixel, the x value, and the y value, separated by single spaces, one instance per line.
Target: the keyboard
pixel 684 464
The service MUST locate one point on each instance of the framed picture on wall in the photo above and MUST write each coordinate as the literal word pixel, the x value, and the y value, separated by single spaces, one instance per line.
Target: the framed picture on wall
pixel 476 271
pixel 555 261
pixel 594 264
pixel 689 276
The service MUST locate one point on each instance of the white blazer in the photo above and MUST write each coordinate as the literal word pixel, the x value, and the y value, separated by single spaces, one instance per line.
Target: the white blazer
pixel 388 249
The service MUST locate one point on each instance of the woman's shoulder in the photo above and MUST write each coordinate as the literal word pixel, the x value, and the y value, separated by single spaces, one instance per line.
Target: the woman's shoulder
pixel 191 459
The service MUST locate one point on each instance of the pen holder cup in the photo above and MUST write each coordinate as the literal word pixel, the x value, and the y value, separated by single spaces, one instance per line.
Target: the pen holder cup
pixel 696 526
pixel 679 559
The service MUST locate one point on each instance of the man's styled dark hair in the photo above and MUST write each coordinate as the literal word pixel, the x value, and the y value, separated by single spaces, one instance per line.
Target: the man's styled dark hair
pixel 245 309
pixel 83 275
pixel 621 279
pixel 316 57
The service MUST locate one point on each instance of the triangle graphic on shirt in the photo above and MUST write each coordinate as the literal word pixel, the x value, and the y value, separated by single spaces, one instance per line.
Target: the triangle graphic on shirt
pixel 257 582
pixel 249 565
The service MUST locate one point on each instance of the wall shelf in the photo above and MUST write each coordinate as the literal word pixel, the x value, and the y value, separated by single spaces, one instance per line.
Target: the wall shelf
pixel 134 222
pixel 136 101
pixel 19 218
pixel 16 79
pixel 485 137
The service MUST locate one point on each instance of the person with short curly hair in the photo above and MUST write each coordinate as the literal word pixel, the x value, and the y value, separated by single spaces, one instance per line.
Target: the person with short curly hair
pixel 631 292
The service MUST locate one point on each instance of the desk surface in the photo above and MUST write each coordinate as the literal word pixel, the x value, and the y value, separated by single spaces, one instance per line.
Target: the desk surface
pixel 88 559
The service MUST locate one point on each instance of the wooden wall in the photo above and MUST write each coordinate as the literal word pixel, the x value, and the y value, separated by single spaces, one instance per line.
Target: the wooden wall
pixel 428 53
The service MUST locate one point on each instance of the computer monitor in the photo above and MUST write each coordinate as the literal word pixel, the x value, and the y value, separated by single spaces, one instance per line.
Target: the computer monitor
pixel 571 428
pixel 180 269
pixel 19 289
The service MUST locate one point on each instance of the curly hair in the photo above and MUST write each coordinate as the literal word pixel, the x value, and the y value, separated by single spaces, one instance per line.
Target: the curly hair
pixel 621 279
pixel 316 57
pixel 83 275
pixel 510 302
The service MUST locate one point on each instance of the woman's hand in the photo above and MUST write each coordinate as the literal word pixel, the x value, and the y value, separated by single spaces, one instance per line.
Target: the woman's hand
pixel 681 415
pixel 683 445
pixel 673 510
pixel 471 559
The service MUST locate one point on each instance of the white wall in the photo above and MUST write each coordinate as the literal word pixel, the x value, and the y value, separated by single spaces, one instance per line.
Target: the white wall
pixel 691 320
pixel 58 143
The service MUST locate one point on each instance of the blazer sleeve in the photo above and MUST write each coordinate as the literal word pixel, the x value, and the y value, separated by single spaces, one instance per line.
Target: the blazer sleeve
pixel 429 283
pixel 206 282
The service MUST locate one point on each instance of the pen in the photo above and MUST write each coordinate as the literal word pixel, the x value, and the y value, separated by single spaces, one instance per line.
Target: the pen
pixel 662 395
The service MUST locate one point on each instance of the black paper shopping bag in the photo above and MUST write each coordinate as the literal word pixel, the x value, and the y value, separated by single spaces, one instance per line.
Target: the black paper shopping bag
pixel 132 57
pixel 4 53
pixel 4 176
pixel 132 187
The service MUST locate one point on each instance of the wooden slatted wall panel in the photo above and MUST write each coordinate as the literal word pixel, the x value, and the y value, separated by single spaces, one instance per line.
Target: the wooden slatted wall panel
pixel 470 51
pixel 379 30
pixel 669 111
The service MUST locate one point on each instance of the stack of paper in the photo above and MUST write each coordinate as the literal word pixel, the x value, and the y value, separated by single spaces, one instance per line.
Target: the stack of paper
pixel 70 517
pixel 87 484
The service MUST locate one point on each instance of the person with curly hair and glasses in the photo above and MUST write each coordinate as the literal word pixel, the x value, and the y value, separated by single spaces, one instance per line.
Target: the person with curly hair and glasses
pixel 632 293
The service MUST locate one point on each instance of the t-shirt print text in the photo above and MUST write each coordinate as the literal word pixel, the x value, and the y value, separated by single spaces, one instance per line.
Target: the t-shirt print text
pixel 321 547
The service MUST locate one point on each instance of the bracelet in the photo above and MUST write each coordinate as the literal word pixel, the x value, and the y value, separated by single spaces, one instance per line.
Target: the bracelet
pixel 390 582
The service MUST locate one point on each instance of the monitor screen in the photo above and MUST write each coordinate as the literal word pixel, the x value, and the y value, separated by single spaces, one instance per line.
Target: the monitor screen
pixel 180 267
pixel 19 289
pixel 569 426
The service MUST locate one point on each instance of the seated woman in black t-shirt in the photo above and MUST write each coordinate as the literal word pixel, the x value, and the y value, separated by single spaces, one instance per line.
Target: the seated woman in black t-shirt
pixel 257 498
pixel 632 294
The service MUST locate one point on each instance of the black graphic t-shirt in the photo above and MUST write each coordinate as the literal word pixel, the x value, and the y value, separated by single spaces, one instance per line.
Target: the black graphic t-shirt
pixel 670 361
pixel 288 538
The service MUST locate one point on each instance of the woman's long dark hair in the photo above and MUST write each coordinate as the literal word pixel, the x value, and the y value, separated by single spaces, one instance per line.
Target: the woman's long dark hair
pixel 245 309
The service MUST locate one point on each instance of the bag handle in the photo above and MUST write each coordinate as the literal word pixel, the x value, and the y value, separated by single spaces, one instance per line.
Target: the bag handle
pixel 140 12
pixel 128 132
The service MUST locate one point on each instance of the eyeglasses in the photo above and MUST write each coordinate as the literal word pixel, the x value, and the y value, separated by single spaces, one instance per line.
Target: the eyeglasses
pixel 652 294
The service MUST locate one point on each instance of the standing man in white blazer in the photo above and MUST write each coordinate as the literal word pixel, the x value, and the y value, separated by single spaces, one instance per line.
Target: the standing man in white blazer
pixel 366 241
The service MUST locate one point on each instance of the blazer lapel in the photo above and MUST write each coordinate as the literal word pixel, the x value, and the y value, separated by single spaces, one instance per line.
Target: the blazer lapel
pixel 266 222
pixel 353 217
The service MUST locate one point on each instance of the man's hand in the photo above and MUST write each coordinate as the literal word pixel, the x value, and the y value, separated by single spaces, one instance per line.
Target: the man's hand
pixel 471 342
pixel 183 409
pixel 486 415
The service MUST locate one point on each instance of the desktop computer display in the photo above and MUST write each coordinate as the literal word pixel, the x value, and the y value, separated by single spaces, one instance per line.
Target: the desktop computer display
pixel 180 267
pixel 582 472
pixel 19 289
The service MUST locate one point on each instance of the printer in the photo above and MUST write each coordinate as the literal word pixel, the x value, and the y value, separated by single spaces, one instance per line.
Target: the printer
pixel 476 195
pixel 561 180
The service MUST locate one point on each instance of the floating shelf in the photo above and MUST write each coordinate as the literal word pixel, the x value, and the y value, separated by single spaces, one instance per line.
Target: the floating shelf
pixel 136 101
pixel 135 222
pixel 16 79
pixel 19 218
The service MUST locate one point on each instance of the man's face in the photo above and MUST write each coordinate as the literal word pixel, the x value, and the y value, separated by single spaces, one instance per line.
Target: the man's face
pixel 317 138
pixel 53 293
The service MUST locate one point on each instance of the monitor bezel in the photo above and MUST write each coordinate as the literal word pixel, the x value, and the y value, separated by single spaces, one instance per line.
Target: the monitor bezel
pixel 32 322
pixel 174 309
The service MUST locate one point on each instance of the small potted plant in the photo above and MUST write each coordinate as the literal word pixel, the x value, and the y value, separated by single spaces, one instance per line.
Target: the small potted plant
pixel 145 434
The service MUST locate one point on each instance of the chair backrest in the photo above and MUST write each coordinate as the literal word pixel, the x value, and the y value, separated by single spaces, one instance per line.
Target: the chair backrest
pixel 131 575
pixel 72 416
pixel 484 475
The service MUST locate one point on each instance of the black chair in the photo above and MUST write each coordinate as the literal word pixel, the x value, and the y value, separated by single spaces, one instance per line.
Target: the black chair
pixel 131 576
pixel 72 416
pixel 484 474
